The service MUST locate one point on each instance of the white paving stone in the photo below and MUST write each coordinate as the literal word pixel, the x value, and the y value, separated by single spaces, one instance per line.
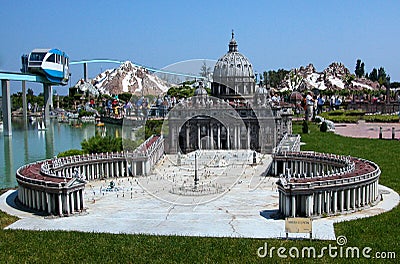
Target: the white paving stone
pixel 243 211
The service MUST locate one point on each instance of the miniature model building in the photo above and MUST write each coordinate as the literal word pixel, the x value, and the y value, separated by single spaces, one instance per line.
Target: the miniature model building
pixel 237 115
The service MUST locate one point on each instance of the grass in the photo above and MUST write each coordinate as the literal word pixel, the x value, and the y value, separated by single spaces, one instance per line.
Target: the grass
pixel 5 219
pixel 379 232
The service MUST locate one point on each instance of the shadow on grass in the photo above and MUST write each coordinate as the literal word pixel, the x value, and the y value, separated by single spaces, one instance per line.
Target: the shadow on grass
pixel 12 201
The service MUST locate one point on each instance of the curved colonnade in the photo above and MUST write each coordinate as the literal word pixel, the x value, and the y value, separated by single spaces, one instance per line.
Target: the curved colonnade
pixel 310 184
pixel 56 186
pixel 318 184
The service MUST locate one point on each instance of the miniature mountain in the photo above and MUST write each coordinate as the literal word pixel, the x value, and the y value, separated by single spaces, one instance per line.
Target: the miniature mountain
pixel 335 77
pixel 126 78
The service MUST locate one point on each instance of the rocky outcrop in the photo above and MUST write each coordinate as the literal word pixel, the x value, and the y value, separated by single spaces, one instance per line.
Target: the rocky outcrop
pixel 126 78
pixel 335 77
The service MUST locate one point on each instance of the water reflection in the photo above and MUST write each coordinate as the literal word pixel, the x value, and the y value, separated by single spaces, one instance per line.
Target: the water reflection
pixel 27 144
pixel 49 140
pixel 8 180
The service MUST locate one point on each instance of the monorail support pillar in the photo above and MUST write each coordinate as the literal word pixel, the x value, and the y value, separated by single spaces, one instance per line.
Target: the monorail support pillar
pixel 6 98
pixel 24 103
pixel 47 90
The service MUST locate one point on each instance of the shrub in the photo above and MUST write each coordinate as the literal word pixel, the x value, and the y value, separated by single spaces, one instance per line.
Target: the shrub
pixel 83 113
pixel 323 127
pixel 335 113
pixel 317 120
pixel 305 127
pixel 99 144
pixel 354 113
pixel 71 152
pixel 381 118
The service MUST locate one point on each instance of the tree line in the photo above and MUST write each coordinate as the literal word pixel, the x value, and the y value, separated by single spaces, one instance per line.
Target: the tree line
pixel 376 75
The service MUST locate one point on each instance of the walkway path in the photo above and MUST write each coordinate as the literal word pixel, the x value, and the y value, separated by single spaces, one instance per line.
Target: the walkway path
pixel 368 130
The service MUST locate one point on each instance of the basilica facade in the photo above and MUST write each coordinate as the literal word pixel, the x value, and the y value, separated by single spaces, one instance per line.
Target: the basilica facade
pixel 238 114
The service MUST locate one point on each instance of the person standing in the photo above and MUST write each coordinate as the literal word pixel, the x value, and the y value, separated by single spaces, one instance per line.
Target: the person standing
pixel 332 102
pixel 320 104
pixel 309 106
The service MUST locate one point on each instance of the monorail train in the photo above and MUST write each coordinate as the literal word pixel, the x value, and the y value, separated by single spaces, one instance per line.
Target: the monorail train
pixel 52 63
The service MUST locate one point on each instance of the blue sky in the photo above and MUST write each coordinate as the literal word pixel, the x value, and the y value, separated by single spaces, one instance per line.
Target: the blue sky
pixel 272 34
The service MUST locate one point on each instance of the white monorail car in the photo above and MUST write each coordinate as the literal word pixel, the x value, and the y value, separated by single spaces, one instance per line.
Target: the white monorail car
pixel 52 63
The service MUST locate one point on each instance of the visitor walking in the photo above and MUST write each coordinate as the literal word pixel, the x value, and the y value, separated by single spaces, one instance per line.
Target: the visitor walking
pixel 309 106
pixel 320 104
pixel 332 103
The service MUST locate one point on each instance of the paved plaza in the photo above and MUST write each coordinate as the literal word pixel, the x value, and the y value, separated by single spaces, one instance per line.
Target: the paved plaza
pixel 232 198
pixel 363 129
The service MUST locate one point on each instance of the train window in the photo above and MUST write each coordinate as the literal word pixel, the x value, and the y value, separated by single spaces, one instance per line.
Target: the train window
pixel 51 58
pixel 37 56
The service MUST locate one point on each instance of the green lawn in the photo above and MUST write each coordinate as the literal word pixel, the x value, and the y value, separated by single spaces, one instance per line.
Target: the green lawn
pixel 381 233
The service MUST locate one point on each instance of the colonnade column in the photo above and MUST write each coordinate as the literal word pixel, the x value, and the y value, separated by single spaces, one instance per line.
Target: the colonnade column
pixel 228 138
pixel 134 171
pixel 126 168
pixel 293 205
pixel 219 136
pixel 82 199
pixel 309 205
pixel 363 196
pixel 248 137
pixel 235 138
pixel 72 197
pixel 187 136
pixel 334 208
pixel 78 200
pixel 353 198
pixel 341 200
pixel 59 204
pixel 348 196
pixel 239 139
pixel 328 201
pixel 287 205
pixel 319 204
pixel 211 138
pixel 67 203
pixel 198 136
pixel 49 202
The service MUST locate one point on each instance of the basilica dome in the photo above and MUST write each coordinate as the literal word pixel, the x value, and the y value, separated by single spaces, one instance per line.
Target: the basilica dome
pixel 233 74
pixel 233 63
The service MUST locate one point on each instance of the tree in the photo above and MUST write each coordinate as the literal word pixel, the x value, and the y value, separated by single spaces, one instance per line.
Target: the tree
pixel 395 85
pixel 125 97
pixel 382 78
pixel 30 92
pixel 362 70
pixel 274 78
pixel 373 76
pixel 359 71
